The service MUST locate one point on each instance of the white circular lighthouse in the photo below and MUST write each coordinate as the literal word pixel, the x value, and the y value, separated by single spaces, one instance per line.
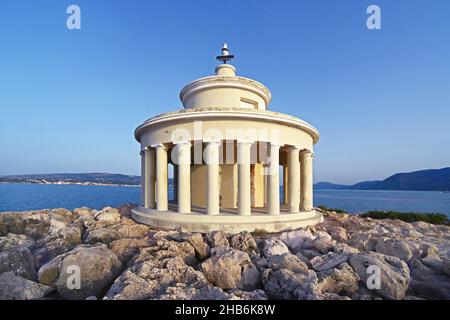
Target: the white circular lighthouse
pixel 237 166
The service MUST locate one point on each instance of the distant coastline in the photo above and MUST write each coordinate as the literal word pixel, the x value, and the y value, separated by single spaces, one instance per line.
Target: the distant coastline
pixel 70 183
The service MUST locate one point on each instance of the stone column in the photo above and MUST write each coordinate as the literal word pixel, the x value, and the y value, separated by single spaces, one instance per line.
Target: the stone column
pixel 285 184
pixel 175 182
pixel 244 199
pixel 212 164
pixel 148 177
pixel 161 177
pixel 184 177
pixel 306 201
pixel 294 179
pixel 144 202
pixel 273 201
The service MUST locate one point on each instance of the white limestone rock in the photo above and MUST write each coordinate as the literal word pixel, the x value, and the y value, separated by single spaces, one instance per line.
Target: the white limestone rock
pixel 19 261
pixel 102 235
pixel 274 246
pixel 342 281
pixel 12 240
pixel 285 261
pixel 328 261
pixel 217 238
pixel 427 283
pixel 13 287
pixel 295 240
pixel 108 214
pixel 231 269
pixel 196 241
pixel 244 242
pixel 98 268
pixel 127 248
pixel 284 284
pixel 394 273
pixel 402 249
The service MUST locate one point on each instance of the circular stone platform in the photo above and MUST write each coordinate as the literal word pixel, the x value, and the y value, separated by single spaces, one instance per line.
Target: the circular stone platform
pixel 227 222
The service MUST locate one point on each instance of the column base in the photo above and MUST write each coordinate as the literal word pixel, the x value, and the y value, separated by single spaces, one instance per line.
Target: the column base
pixel 227 222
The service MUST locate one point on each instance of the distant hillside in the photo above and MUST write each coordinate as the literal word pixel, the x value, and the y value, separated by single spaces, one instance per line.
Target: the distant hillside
pixel 330 186
pixel 427 180
pixel 100 178
pixel 423 180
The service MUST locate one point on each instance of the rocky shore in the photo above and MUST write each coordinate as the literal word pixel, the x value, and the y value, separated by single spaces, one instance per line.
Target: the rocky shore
pixel 116 258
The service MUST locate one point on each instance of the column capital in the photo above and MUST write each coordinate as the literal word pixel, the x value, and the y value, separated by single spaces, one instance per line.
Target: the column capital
pixel 294 147
pixel 245 141
pixel 212 141
pixel 184 143
pixel 159 145
pixel 307 151
pixel 276 144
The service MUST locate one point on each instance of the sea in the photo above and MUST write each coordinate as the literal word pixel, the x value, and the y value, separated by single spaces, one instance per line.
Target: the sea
pixel 25 197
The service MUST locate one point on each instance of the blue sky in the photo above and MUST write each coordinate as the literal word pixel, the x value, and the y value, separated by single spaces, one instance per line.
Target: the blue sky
pixel 70 99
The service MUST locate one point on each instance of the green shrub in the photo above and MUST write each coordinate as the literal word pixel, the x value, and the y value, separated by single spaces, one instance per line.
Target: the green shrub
pixel 433 218
pixel 331 209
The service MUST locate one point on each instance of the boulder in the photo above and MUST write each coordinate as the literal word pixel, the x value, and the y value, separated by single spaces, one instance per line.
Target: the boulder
pixel 12 240
pixel 328 261
pixel 230 268
pixel 394 273
pixel 401 249
pixel 446 265
pixel 363 241
pixel 13 287
pixel 195 240
pixel 83 212
pixel 338 233
pixel 284 284
pixel 274 246
pixel 102 235
pixel 11 223
pixel 217 238
pixel 344 248
pixel 164 234
pixel 35 224
pixel 244 242
pixel 322 242
pixel 342 281
pixel 304 259
pixel 134 231
pixel 18 261
pixel 72 234
pixel 108 214
pixel 285 261
pixel 130 286
pixel 169 278
pixel 125 210
pixel 433 261
pixel 428 284
pixel 164 249
pixel 310 253
pixel 127 248
pixel 98 267
pixel 46 251
pixel 296 240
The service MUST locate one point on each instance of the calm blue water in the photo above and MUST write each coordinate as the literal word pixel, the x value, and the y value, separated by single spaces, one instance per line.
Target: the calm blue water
pixel 21 197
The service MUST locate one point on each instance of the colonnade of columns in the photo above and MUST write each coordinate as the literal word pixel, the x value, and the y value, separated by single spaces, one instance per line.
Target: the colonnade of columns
pixel 154 167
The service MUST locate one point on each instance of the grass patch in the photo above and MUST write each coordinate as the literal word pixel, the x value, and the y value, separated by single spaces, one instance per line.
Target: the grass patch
pixel 332 209
pixel 433 218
